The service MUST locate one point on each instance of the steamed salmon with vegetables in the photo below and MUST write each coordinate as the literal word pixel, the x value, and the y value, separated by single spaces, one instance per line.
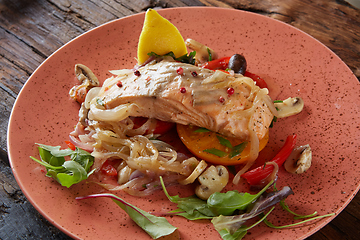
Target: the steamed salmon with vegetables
pixel 125 138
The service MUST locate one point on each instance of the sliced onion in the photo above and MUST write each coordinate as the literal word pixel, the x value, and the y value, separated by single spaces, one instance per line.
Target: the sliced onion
pixel 91 94
pixel 115 114
pixel 194 175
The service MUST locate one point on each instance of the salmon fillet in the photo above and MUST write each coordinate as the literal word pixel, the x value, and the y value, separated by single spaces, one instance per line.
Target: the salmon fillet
pixel 171 91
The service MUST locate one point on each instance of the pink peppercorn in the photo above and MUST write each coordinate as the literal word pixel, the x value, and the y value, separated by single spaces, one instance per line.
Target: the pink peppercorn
pixel 180 71
pixel 137 73
pixel 221 99
pixel 230 91
pixel 119 84
pixel 183 90
pixel 194 74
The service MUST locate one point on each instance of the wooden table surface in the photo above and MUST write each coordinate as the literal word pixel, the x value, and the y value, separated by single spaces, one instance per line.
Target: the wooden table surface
pixel 31 30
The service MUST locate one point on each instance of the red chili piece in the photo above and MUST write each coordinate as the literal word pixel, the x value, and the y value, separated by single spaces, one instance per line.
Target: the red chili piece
pixel 258 175
pixel 70 145
pixel 119 84
pixel 221 99
pixel 230 91
pixel 194 74
pixel 183 90
pixel 137 73
pixel 180 71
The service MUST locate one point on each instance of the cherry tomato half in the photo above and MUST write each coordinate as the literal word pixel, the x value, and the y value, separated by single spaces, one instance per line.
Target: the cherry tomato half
pixel 197 142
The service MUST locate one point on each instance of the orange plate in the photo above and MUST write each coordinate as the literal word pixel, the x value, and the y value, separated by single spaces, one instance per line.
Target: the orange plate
pixel 292 63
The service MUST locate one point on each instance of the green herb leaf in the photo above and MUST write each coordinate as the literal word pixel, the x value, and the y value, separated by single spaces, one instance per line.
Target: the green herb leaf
pixel 272 122
pixel 66 173
pixel 186 58
pixel 100 102
pixel 278 101
pixel 201 130
pixel 210 55
pixel 226 203
pixel 215 152
pixel 224 141
pixel 155 226
pixel 237 149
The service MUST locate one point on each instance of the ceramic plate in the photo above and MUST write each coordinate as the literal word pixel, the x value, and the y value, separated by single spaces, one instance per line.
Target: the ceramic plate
pixel 293 64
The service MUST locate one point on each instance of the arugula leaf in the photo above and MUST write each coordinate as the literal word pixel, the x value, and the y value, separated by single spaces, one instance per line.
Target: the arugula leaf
pixel 269 224
pixel 192 208
pixel 155 226
pixel 232 228
pixel 227 203
pixel 239 234
pixel 67 173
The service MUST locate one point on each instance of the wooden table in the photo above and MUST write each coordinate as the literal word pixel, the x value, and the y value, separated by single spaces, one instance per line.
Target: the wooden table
pixel 31 30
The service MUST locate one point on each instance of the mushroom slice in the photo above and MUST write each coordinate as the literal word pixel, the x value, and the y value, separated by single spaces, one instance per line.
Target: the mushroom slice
pixel 289 107
pixel 299 160
pixel 202 51
pixel 214 179
pixel 87 79
pixel 86 76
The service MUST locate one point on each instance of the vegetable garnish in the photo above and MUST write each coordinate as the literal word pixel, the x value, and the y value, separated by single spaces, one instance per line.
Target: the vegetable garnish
pixel 155 226
pixel 186 58
pixel 221 63
pixel 258 175
pixel 214 148
pixel 160 36
pixel 66 173
pixel 220 206
pixel 258 80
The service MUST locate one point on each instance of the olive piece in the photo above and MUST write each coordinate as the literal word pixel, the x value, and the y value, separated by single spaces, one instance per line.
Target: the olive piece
pixel 237 63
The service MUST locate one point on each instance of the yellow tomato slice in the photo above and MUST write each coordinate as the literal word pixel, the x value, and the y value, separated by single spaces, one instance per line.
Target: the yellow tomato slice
pixel 160 36
pixel 197 142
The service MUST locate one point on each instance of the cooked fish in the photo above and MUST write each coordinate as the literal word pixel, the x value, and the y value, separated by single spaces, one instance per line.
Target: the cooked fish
pixel 229 104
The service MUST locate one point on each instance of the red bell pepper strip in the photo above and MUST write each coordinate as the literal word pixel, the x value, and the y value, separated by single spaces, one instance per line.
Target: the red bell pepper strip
pixel 258 80
pixel 221 63
pixel 258 175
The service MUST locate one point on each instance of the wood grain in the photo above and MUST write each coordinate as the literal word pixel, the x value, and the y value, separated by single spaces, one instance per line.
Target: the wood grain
pixel 30 31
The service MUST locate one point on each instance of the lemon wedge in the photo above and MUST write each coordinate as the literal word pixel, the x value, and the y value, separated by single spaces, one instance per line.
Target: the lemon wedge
pixel 160 36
